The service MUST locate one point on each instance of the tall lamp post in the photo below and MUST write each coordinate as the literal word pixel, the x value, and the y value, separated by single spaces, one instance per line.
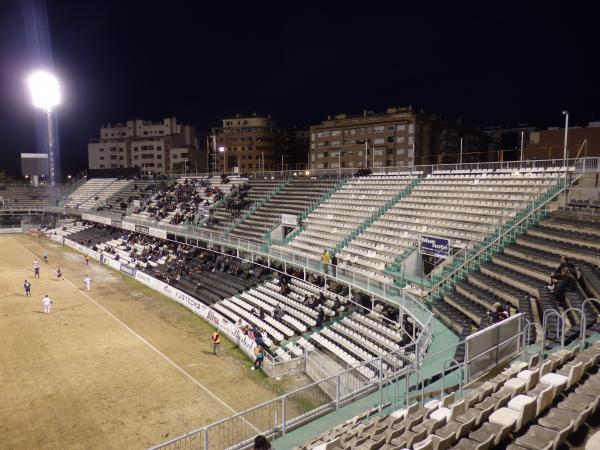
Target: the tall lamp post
pixel 566 114
pixel 45 94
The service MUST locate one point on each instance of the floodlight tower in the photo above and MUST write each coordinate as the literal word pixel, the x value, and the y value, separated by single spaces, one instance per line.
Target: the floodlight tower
pixel 45 94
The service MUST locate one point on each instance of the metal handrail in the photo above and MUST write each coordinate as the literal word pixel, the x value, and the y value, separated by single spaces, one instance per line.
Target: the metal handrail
pixel 501 237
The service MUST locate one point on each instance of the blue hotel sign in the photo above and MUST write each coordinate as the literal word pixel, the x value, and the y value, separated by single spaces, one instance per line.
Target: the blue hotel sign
pixel 434 246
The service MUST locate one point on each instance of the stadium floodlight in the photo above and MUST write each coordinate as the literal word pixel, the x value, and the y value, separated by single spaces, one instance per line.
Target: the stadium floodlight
pixel 45 94
pixel 45 90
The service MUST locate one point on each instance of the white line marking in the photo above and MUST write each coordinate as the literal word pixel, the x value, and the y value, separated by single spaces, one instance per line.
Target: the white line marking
pixel 165 357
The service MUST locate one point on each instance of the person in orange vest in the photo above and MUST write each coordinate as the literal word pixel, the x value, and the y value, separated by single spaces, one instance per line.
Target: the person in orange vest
pixel 216 341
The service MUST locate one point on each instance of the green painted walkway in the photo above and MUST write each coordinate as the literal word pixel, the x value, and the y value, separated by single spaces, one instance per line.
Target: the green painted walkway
pixel 442 349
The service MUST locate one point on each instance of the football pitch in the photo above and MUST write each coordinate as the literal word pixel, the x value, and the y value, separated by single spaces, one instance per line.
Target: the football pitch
pixel 117 367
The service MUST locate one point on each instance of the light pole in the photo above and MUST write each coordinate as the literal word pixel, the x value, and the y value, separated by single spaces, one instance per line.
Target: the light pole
pixel 522 137
pixel 221 150
pixel 566 114
pixel 461 150
pixel 45 94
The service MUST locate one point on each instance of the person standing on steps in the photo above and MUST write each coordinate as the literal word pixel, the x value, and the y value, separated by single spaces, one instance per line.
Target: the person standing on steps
pixel 334 265
pixel 326 260
pixel 216 341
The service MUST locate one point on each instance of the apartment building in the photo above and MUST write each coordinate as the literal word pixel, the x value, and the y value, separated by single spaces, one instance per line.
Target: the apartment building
pixel 396 137
pixel 246 144
pixel 549 143
pixel 154 147
pixel 295 147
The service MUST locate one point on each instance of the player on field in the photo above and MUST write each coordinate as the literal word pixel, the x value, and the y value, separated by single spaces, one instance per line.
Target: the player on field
pixel 87 281
pixel 87 260
pixel 27 287
pixel 58 274
pixel 46 257
pixel 47 303
pixel 36 268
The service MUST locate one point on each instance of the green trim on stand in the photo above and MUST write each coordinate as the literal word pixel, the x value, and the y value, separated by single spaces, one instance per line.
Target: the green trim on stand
pixel 257 205
pixel 375 216
pixel 314 205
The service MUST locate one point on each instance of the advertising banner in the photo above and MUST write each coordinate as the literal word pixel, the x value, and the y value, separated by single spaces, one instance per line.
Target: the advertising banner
pixel 434 246
pixel 128 226
pixel 128 270
pixel 289 220
pixel 158 233
pixel 142 229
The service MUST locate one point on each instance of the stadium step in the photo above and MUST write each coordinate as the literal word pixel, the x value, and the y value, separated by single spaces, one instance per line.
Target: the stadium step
pixel 588 254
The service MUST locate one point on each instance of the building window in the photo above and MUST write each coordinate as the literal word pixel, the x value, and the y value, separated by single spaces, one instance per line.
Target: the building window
pixel 390 138
pixel 102 166
pixel 101 150
pixel 136 157
pixel 390 127
pixel 379 141
pixel 378 129
pixel 121 158
pixel 113 149
pixel 102 158
pixel 113 157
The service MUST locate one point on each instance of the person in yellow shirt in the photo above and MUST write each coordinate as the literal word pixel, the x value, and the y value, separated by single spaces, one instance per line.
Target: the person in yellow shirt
pixel 216 341
pixel 326 260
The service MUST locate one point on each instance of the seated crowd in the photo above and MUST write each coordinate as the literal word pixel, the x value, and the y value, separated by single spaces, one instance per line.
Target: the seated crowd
pixel 189 198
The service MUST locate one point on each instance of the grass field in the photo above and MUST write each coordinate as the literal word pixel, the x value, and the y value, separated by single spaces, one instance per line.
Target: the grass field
pixel 118 367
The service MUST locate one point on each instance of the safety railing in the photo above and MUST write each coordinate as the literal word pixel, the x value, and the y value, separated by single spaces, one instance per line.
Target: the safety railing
pixel 257 205
pixel 298 407
pixel 592 164
pixel 381 211
pixel 472 257
pixel 312 206
pixel 257 250
pixel 410 380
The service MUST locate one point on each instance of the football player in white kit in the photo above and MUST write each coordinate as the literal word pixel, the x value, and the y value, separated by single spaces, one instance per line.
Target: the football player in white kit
pixel 87 281
pixel 47 303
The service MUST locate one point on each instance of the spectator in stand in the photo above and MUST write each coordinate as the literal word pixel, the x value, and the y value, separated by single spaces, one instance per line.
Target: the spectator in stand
pixel 326 260
pixel 567 283
pixel 261 443
pixel 556 276
pixel 258 360
pixel 334 263
pixel 320 317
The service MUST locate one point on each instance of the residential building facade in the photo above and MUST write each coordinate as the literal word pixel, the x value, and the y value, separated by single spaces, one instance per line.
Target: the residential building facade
pixel 246 145
pixel 154 147
pixel 549 143
pixel 397 137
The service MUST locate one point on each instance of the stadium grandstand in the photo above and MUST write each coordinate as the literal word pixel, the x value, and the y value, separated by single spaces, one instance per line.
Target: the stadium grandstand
pixel 432 307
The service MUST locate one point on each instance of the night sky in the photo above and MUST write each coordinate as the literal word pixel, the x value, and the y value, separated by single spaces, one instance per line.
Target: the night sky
pixel 490 63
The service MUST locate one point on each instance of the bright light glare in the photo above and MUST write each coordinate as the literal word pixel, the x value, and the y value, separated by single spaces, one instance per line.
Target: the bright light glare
pixel 45 90
pixel 221 149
